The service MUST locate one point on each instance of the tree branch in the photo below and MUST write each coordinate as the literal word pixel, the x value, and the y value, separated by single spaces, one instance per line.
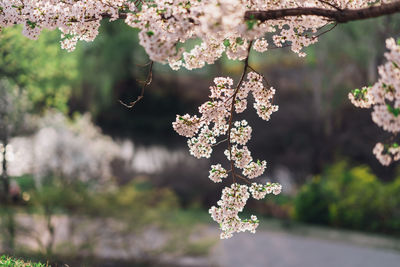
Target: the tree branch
pixel 340 16
pixel 246 65
pixel 145 83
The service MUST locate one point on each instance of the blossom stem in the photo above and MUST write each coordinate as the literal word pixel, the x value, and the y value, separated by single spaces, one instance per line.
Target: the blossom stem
pixel 246 65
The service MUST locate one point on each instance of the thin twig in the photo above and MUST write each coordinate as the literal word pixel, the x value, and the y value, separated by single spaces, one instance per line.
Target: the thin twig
pixel 147 82
pixel 331 5
pixel 318 35
pixel 243 178
pixel 266 81
pixel 312 37
pixel 220 142
pixel 144 65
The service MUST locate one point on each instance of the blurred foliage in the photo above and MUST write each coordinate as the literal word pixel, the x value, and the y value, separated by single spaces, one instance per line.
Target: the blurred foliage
pixel 136 201
pixel 109 62
pixel 113 69
pixel 350 198
pixel 200 248
pixel 133 209
pixel 40 67
pixel 14 103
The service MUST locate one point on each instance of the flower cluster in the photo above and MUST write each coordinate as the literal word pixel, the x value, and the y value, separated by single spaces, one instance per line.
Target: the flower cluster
pixel 361 98
pixel 186 125
pixel 259 191
pixel 386 154
pixel 165 24
pixel 254 169
pixel 77 20
pixel 232 202
pixel 384 98
pixel 216 120
pixel 240 156
pixel 217 173
pixel 262 96
pixel 201 146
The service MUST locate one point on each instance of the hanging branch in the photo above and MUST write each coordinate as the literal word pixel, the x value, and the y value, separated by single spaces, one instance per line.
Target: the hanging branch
pixel 145 84
pixel 246 65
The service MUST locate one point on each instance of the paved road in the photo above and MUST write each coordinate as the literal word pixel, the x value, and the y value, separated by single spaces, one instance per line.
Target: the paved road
pixel 279 249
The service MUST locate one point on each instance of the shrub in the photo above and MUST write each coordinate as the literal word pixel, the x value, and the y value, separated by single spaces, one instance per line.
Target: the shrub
pixel 312 203
pixel 351 198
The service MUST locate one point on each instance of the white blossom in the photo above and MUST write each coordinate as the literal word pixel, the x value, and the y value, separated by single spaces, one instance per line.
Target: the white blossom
pixel 384 99
pixel 217 173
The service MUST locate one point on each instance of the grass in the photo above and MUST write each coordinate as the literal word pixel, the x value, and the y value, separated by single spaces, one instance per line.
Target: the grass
pixel 6 261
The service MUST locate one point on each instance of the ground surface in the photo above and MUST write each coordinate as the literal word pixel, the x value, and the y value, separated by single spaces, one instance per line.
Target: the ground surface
pixel 280 249
pixel 275 244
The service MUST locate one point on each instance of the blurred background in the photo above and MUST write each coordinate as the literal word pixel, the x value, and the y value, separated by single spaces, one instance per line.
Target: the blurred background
pixel 88 182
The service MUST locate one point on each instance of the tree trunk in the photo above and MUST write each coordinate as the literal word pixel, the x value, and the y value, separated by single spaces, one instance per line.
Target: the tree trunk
pixel 4 175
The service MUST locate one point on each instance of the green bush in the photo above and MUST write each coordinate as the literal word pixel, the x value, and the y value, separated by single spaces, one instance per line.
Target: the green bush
pixel 350 198
pixel 312 202
pixel 45 72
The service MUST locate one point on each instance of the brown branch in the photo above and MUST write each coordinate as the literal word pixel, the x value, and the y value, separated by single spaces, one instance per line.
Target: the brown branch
pixel 220 142
pixel 335 14
pixel 322 33
pixel 246 65
pixel 145 84
pixel 262 76
pixel 340 16
pixel 243 178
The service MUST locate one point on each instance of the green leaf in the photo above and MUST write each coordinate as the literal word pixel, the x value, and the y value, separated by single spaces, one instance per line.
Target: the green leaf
pixel 239 41
pixel 31 24
pixel 394 111
pixel 227 43
pixel 250 23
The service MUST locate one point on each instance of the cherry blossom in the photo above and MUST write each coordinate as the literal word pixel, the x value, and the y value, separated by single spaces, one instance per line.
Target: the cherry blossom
pixel 232 202
pixel 254 169
pixel 217 173
pixel 186 125
pixel 221 27
pixel 384 99
pixel 215 122
pixel 165 24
